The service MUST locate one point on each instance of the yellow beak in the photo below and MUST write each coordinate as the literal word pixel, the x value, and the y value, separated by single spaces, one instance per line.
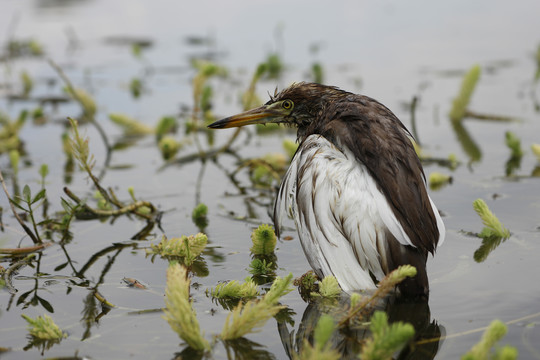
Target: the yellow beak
pixel 260 115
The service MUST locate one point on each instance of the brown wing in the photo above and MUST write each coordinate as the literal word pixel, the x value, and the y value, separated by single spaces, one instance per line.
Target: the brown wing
pixel 380 141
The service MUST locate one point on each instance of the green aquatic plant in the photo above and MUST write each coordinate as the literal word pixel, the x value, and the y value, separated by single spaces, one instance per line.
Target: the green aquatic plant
pixel 248 317
pixel 179 311
pixel 29 47
pixel 43 172
pixel 129 125
pixel 11 128
pixel 387 284
pixel 84 99
pixel 483 349
pixel 514 144
pixel 187 247
pixel 259 267
pixel 386 338
pixel 28 83
pixel 44 328
pixel 169 147
pixel 80 149
pixel 199 215
pixel 81 152
pixel 493 227
pixel 321 348
pixel 165 125
pixel 234 290
pixel 274 66
pixel 307 284
pixel 328 288
pixel 317 73
pixel 31 202
pixel 14 159
pixel 264 240
pixel 536 150
pixel 461 102
pixel 135 87
pixel 437 180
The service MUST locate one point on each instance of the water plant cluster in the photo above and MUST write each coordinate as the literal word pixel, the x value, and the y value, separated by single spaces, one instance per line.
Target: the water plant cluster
pixel 249 303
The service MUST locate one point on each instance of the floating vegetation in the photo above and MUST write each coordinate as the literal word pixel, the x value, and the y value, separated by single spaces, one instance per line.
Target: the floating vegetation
pixel 28 83
pixel 317 73
pixel 536 150
pixel 514 144
pixel 44 328
pixel 186 247
pixel 493 227
pixel 387 284
pixel 30 278
pixel 81 152
pixel 274 66
pixel 267 169
pixel 437 180
pixel 84 99
pixel 307 284
pixel 166 125
pixel 328 288
pixel 492 234
pixel 386 338
pixel 234 290
pixel 322 347
pixel 259 267
pixel 179 311
pixel 130 125
pixel 20 48
pixel 247 318
pixel 264 240
pixel 11 128
pixel 461 102
pixel 135 87
pixel 169 147
pixel 199 215
pixel 14 158
pixel 483 349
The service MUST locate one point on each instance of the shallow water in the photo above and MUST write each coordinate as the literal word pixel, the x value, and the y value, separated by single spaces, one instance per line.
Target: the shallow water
pixel 389 51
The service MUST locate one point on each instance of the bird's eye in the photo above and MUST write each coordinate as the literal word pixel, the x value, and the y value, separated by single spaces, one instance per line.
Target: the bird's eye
pixel 287 104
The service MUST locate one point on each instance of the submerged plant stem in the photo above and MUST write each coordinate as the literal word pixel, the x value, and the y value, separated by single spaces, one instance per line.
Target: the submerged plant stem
pixel 73 93
pixel 121 211
pixel 33 236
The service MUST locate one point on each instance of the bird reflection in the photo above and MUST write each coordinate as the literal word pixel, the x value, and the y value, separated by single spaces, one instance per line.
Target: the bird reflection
pixel 348 342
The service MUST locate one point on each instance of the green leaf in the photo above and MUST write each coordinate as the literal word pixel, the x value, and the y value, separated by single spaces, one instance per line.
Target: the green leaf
pixel 27 194
pixel 44 171
pixel 47 305
pixel 40 195
pixel 66 205
pixel 61 266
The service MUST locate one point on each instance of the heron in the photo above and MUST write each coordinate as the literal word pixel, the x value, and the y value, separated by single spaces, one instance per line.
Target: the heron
pixel 355 187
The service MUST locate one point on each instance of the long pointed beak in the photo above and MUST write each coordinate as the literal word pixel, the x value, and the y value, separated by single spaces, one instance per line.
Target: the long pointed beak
pixel 260 115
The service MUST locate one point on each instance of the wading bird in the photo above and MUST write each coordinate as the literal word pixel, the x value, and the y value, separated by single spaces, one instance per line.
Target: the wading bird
pixel 355 187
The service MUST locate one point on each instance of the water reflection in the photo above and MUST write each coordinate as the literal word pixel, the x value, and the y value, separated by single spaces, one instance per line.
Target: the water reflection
pixel 348 342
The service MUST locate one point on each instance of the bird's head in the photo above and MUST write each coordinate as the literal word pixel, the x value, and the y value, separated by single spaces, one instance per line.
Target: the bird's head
pixel 297 105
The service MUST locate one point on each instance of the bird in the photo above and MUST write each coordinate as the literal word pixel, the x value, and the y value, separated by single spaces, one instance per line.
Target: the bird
pixel 355 187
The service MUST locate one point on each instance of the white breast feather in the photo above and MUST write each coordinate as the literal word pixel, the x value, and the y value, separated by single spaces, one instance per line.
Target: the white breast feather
pixel 332 198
